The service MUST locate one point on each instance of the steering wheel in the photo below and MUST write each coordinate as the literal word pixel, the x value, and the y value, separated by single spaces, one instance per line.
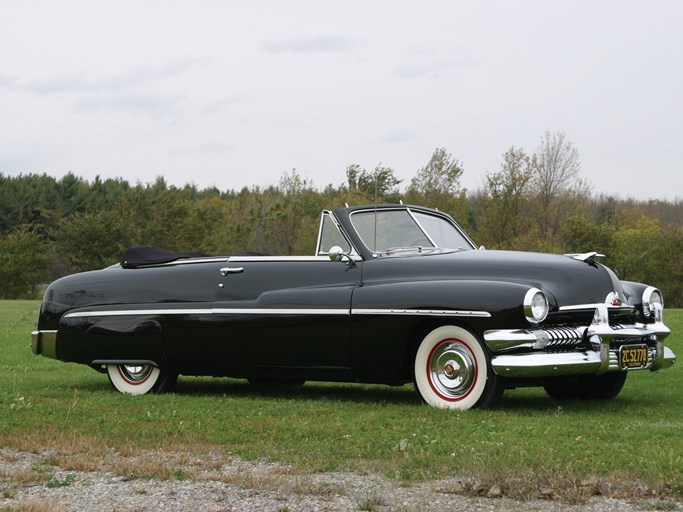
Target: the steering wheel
pixel 417 242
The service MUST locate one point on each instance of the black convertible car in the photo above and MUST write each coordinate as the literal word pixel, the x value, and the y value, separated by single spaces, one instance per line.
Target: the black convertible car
pixel 394 294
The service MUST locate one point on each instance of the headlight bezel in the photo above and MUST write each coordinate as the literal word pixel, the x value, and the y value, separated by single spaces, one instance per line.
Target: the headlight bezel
pixel 536 306
pixel 651 296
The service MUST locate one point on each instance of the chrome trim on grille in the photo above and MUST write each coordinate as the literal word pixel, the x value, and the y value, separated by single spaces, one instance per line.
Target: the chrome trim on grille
pixel 613 360
pixel 500 341
pixel 586 307
pixel 596 357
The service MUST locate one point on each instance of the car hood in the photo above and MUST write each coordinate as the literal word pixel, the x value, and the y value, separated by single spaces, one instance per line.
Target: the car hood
pixel 568 280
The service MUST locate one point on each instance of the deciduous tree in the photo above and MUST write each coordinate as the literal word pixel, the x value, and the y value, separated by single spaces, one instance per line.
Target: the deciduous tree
pixel 556 181
pixel 23 263
pixel 505 222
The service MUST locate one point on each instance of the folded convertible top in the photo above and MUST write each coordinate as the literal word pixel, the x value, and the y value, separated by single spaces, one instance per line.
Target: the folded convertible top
pixel 141 256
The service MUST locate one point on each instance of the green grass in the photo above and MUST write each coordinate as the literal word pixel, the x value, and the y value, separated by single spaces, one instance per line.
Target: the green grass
pixel 530 446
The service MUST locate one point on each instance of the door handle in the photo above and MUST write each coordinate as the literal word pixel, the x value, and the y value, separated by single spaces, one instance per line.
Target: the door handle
pixel 231 270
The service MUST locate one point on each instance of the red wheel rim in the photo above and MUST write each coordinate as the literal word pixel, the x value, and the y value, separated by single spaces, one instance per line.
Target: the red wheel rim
pixel 452 370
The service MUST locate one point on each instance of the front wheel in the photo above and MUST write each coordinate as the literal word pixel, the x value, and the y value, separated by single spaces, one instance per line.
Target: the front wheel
pixel 139 379
pixel 453 371
pixel 586 387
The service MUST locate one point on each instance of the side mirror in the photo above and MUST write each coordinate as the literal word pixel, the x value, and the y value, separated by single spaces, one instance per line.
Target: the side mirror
pixel 336 253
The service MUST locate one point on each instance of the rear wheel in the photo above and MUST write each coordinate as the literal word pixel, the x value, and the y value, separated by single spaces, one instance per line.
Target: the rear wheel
pixel 453 371
pixel 134 379
pixel 586 387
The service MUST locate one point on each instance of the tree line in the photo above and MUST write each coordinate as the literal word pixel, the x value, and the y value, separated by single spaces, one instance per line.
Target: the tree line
pixel 534 202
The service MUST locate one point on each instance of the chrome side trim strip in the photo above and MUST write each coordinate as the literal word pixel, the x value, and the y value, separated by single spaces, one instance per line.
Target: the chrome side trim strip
pixel 213 311
pixel 278 311
pixel 139 312
pixel 284 259
pixel 233 259
pixel 267 311
pixel 421 312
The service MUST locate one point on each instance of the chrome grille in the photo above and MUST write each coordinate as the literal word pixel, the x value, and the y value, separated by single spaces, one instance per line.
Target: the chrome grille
pixel 562 338
pixel 645 340
pixel 613 360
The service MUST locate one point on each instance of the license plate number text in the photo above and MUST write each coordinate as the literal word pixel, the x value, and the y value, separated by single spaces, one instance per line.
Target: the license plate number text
pixel 632 357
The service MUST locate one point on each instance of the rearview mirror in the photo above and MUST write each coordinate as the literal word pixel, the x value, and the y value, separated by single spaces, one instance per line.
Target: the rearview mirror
pixel 336 253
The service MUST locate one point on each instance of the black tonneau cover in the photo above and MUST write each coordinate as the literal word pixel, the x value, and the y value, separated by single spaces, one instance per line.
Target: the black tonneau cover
pixel 141 256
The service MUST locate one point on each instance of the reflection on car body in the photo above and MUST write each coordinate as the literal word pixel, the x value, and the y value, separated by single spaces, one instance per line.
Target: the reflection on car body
pixel 393 294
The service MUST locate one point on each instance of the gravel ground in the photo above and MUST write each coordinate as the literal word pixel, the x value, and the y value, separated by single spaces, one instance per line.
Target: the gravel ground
pixel 33 483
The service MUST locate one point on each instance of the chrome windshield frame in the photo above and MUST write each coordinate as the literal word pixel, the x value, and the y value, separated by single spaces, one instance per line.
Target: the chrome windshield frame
pixel 410 211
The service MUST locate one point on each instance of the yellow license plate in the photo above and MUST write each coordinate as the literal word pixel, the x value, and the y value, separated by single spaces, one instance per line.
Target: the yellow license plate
pixel 632 357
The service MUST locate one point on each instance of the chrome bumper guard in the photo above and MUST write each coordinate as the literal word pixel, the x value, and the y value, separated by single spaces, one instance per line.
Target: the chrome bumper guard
pixel 44 343
pixel 520 353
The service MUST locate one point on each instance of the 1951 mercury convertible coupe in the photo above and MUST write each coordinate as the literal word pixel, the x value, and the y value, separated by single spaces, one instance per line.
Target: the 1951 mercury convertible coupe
pixel 394 294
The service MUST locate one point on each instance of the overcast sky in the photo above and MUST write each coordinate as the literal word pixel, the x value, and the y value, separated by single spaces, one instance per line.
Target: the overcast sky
pixel 237 93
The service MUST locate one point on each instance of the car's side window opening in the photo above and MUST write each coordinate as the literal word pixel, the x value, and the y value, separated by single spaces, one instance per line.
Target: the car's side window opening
pixel 330 236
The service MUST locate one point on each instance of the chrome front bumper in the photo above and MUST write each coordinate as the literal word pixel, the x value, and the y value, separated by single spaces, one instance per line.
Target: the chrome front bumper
pixel 523 352
pixel 44 343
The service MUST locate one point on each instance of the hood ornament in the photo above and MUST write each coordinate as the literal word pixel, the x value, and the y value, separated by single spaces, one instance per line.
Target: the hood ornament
pixel 613 299
pixel 586 256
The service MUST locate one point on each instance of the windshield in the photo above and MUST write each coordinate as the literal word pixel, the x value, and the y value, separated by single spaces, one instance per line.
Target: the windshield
pixel 388 230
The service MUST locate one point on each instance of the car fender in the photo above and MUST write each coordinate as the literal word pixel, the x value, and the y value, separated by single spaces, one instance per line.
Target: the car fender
pixel 388 318
pixel 95 341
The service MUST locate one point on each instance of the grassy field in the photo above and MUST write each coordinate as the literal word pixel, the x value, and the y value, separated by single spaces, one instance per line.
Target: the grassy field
pixel 530 446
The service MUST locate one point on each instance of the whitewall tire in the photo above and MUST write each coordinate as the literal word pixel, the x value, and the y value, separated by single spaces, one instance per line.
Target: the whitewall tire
pixel 453 371
pixel 139 379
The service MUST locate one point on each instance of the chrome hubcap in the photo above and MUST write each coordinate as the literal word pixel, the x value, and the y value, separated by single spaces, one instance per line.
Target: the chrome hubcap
pixel 135 374
pixel 452 370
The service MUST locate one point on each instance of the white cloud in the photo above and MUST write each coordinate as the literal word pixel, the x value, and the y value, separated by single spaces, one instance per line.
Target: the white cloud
pixel 202 149
pixel 314 44
pixel 234 94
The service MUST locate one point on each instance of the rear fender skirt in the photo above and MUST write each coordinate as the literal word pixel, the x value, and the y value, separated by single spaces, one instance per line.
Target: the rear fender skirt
pixel 86 340
pixel 100 364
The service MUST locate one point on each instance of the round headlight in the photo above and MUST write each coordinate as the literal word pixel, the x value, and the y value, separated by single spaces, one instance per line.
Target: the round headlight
pixel 651 296
pixel 535 306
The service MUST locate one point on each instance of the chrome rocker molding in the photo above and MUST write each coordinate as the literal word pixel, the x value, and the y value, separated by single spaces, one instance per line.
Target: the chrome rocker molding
pixel 596 359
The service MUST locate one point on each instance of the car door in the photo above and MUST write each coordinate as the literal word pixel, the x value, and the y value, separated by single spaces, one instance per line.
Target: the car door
pixel 277 312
